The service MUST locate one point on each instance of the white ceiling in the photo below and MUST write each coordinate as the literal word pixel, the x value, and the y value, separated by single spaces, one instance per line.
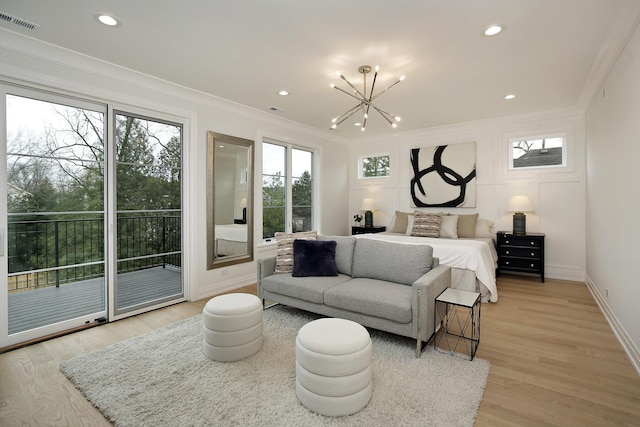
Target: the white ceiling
pixel 246 51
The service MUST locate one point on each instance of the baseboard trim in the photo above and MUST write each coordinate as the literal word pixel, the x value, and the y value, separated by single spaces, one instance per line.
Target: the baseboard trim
pixel 618 330
pixel 229 285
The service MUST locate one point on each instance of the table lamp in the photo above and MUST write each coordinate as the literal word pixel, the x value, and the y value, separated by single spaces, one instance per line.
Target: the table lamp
pixel 368 205
pixel 519 205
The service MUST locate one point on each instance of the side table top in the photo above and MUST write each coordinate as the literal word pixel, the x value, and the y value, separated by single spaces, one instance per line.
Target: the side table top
pixel 458 297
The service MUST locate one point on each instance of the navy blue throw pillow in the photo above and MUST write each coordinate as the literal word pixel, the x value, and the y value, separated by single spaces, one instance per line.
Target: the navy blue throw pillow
pixel 314 258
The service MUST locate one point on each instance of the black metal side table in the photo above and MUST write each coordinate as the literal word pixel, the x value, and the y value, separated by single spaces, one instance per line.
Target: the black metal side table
pixel 459 312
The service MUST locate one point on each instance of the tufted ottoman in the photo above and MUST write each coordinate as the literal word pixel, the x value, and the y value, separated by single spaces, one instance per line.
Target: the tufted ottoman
pixel 333 366
pixel 232 327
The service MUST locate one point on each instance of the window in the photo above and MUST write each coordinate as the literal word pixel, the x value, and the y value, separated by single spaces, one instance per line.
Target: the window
pixel 287 189
pixel 537 152
pixel 373 166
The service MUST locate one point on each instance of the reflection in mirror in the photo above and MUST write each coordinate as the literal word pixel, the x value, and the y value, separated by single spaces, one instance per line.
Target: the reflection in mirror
pixel 229 200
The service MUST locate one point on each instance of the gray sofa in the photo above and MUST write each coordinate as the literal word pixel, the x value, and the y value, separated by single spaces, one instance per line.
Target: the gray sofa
pixel 381 285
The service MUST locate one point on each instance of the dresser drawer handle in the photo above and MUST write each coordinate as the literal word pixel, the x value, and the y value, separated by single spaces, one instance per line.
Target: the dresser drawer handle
pixel 507 262
pixel 533 243
pixel 533 254
pixel 531 265
pixel 506 252
pixel 506 241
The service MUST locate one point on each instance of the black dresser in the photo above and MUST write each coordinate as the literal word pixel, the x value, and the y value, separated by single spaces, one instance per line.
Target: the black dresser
pixel 521 253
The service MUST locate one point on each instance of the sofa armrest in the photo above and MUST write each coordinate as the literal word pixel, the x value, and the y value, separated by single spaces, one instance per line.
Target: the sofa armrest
pixel 431 284
pixel 266 267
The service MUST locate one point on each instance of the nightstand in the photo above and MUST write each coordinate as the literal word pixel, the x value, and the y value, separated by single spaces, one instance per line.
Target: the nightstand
pixel 521 253
pixel 366 230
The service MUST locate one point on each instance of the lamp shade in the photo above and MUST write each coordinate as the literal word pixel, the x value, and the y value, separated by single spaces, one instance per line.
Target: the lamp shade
pixel 368 204
pixel 519 204
pixel 243 202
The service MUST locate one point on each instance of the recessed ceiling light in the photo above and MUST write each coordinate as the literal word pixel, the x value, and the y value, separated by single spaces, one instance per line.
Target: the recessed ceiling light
pixel 510 96
pixel 107 19
pixel 492 30
pixel 283 93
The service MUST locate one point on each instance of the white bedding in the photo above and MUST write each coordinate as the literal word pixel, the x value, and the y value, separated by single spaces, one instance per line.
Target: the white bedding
pixel 469 254
pixel 232 232
pixel 231 239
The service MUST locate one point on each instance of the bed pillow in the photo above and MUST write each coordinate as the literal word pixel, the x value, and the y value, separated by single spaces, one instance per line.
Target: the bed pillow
pixel 426 224
pixel 314 258
pixel 400 223
pixel 284 253
pixel 449 226
pixel 410 218
pixel 483 228
pixel 467 225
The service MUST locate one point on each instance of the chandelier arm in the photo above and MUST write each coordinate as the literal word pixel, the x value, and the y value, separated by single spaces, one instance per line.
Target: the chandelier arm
pixel 384 114
pixel 347 114
pixel 377 95
pixel 352 87
pixel 373 85
pixel 350 94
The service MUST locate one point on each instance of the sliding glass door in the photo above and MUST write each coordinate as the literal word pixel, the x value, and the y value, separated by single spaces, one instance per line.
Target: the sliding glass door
pixel 91 226
pixel 148 210
pixel 54 269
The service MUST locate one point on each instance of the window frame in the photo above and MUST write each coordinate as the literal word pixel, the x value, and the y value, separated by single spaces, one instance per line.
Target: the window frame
pixel 360 173
pixel 565 151
pixel 288 184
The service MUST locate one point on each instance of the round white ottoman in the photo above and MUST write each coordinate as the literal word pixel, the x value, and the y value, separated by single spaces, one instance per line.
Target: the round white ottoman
pixel 232 327
pixel 333 366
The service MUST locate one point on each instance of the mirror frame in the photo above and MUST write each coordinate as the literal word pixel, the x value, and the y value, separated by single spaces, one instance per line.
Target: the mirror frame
pixel 214 138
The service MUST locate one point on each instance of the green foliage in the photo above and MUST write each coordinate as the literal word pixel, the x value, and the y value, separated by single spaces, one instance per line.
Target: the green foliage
pixel 63 175
pixel 273 205
pixel 375 166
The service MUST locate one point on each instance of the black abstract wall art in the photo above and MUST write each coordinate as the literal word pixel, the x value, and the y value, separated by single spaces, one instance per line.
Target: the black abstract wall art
pixel 444 176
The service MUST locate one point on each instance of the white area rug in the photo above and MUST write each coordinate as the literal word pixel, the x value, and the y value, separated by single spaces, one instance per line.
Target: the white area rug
pixel 163 379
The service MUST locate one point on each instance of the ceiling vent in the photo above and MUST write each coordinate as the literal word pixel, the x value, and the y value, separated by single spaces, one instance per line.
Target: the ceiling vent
pixel 18 21
pixel 276 110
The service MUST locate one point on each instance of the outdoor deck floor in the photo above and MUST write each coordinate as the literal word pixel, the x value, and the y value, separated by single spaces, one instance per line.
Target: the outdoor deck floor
pixel 45 306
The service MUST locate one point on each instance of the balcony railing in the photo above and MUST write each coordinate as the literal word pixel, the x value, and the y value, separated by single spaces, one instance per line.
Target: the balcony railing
pixel 54 251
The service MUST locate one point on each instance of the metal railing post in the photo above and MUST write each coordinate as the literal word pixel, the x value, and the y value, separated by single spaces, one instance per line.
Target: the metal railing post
pixel 57 255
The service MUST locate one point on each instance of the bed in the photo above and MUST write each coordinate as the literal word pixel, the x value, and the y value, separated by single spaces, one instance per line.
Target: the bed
pixel 473 261
pixel 231 239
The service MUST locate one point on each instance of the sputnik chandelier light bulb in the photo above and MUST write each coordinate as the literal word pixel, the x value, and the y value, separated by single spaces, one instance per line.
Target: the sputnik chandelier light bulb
pixel 365 102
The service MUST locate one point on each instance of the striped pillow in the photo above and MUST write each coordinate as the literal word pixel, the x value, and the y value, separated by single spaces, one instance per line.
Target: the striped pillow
pixel 284 254
pixel 426 224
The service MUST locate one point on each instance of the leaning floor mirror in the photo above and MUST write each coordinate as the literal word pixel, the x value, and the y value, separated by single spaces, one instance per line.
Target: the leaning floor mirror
pixel 229 200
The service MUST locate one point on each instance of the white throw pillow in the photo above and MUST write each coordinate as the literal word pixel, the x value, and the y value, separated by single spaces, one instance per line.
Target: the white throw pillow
pixel 483 228
pixel 410 219
pixel 449 226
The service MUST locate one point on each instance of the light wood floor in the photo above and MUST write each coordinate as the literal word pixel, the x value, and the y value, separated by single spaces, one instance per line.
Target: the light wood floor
pixel 555 362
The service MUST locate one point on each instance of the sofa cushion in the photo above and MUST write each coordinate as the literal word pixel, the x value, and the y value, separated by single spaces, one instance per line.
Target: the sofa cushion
pixel 390 261
pixel 314 258
pixel 284 252
pixel 372 297
pixel 304 288
pixel 344 252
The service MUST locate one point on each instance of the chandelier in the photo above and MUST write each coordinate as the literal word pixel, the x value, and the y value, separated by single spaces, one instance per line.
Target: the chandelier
pixel 365 102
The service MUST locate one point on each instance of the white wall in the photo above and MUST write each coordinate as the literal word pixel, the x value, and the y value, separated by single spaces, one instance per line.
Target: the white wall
pixel 29 62
pixel 557 194
pixel 613 198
